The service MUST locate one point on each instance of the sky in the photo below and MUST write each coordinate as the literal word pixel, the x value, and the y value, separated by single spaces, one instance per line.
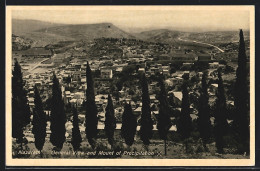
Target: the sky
pixel 136 19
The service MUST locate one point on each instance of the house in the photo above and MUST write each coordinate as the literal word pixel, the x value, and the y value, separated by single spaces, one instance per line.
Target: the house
pixel 184 57
pixel 178 95
pixel 204 57
pixel 79 95
pixel 214 65
pixel 213 87
pixel 138 111
pixel 141 70
pixel 106 73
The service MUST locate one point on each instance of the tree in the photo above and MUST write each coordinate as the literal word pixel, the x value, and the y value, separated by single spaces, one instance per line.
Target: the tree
pixel 185 122
pixel 110 122
pixel 241 99
pixel 204 124
pixel 76 137
pixel 58 117
pixel 164 121
pixel 146 120
pixel 129 124
pixel 221 124
pixel 39 121
pixel 91 109
pixel 20 107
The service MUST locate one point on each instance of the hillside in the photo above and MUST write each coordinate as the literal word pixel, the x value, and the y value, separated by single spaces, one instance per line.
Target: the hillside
pixel 44 33
pixel 161 35
pixel 215 36
pixel 20 27
pixel 88 31
pixel 19 43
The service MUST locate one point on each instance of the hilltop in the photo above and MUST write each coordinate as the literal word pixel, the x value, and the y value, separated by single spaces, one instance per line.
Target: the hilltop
pixel 45 33
pixel 88 31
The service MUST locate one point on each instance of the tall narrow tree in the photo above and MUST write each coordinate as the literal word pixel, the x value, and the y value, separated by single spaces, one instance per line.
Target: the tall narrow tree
pixel 221 124
pixel 58 117
pixel 20 107
pixel 129 124
pixel 76 137
pixel 241 99
pixel 164 121
pixel 91 109
pixel 110 122
pixel 204 124
pixel 185 123
pixel 39 121
pixel 146 130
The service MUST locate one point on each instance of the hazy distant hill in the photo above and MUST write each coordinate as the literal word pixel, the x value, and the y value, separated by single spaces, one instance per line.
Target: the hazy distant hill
pixel 160 35
pixel 44 33
pixel 20 27
pixel 216 36
pixel 88 31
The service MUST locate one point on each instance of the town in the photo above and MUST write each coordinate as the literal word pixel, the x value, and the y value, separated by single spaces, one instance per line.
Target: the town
pixel 117 65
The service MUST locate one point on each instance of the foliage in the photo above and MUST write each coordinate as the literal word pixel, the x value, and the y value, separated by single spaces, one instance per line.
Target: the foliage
pixel 39 121
pixel 164 122
pixel 146 129
pixel 91 109
pixel 241 99
pixel 184 126
pixel 221 124
pixel 204 124
pixel 110 122
pixel 129 124
pixel 76 137
pixel 200 66
pixel 58 117
pixel 20 108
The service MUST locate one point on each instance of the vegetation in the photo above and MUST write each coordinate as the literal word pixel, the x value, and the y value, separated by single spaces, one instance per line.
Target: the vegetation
pixel 164 122
pixel 194 130
pixel 39 121
pixel 129 124
pixel 204 124
pixel 76 137
pixel 241 100
pixel 146 129
pixel 110 122
pixel 20 108
pixel 91 109
pixel 185 122
pixel 58 116
pixel 221 125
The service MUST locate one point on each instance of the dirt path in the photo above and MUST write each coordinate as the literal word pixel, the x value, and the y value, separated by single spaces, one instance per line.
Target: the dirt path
pixel 201 43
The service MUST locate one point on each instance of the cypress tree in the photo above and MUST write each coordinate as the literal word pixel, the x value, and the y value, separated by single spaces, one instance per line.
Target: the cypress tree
pixel 185 122
pixel 76 137
pixel 146 129
pixel 129 124
pixel 204 124
pixel 241 100
pixel 110 122
pixel 221 124
pixel 20 107
pixel 58 117
pixel 91 109
pixel 39 121
pixel 164 121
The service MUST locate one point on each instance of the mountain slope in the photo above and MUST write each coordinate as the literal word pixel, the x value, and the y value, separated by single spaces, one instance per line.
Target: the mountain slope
pixel 88 31
pixel 20 27
pixel 161 35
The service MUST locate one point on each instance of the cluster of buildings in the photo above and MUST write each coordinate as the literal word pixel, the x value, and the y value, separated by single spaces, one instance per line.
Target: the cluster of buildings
pixel 72 77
